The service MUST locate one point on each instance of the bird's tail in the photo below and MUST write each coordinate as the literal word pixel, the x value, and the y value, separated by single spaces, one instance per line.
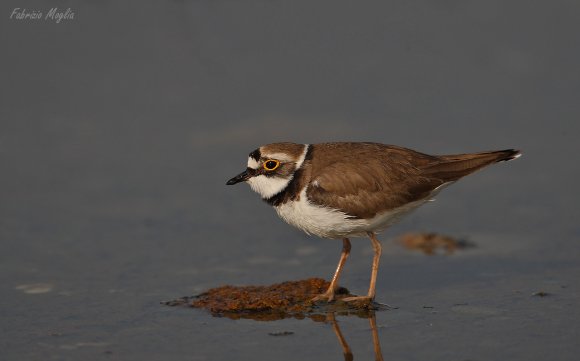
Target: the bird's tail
pixel 449 168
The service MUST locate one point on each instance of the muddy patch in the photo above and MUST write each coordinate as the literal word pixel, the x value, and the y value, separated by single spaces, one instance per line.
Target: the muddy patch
pixel 275 302
pixel 433 243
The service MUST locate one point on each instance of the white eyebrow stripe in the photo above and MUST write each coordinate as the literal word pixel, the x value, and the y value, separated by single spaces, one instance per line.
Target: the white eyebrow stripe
pixel 278 156
pixel 302 156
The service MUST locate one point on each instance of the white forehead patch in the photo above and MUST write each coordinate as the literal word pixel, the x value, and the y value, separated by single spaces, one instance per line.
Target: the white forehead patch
pixel 252 163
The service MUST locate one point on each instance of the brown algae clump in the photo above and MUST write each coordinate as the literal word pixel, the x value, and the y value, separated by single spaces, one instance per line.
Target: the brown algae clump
pixel 432 243
pixel 277 301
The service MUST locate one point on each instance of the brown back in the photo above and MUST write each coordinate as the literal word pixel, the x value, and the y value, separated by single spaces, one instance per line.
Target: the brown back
pixel 363 179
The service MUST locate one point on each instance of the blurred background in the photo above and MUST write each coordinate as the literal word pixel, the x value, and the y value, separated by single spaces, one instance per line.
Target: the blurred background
pixel 120 127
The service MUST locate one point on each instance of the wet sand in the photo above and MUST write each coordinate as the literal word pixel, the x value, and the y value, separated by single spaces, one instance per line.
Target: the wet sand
pixel 119 129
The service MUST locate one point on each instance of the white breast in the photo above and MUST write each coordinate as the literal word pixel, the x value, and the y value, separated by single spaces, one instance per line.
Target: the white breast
pixel 331 223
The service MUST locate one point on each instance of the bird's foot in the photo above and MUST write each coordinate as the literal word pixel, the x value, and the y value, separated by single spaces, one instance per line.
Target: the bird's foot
pixel 358 300
pixel 327 296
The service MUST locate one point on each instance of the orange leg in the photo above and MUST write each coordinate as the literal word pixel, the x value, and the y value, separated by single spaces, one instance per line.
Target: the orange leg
pixel 329 294
pixel 376 259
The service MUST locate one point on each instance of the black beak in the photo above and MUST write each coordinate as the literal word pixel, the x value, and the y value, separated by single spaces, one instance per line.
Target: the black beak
pixel 242 177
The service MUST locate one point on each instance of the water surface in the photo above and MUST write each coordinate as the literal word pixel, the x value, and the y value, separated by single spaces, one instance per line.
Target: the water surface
pixel 118 130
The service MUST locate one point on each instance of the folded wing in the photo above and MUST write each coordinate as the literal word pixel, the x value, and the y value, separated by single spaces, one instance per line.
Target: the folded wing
pixel 373 178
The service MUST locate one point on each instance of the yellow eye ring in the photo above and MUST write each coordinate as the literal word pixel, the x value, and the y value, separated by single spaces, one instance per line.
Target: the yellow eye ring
pixel 271 164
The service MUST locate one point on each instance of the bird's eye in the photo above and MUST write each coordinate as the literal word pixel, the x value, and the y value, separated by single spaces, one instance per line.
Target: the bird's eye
pixel 271 165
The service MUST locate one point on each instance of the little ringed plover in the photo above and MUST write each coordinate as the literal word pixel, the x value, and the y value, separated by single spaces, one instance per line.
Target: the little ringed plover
pixel 343 190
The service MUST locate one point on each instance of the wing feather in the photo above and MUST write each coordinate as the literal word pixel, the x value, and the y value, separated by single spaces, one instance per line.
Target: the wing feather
pixel 370 178
pixel 363 179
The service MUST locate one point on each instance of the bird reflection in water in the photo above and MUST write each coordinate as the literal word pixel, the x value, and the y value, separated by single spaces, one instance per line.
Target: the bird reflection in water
pixel 291 299
pixel 347 352
pixel 316 316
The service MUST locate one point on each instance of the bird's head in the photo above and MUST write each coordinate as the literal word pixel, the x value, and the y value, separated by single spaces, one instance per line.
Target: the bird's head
pixel 271 168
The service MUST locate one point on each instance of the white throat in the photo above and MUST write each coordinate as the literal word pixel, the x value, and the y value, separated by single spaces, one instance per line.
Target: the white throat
pixel 268 187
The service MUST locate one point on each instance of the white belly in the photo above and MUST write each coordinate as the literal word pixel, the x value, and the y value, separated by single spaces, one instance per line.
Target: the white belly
pixel 330 223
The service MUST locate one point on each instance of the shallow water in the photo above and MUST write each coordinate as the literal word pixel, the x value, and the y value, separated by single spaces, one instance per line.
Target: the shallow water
pixel 118 130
